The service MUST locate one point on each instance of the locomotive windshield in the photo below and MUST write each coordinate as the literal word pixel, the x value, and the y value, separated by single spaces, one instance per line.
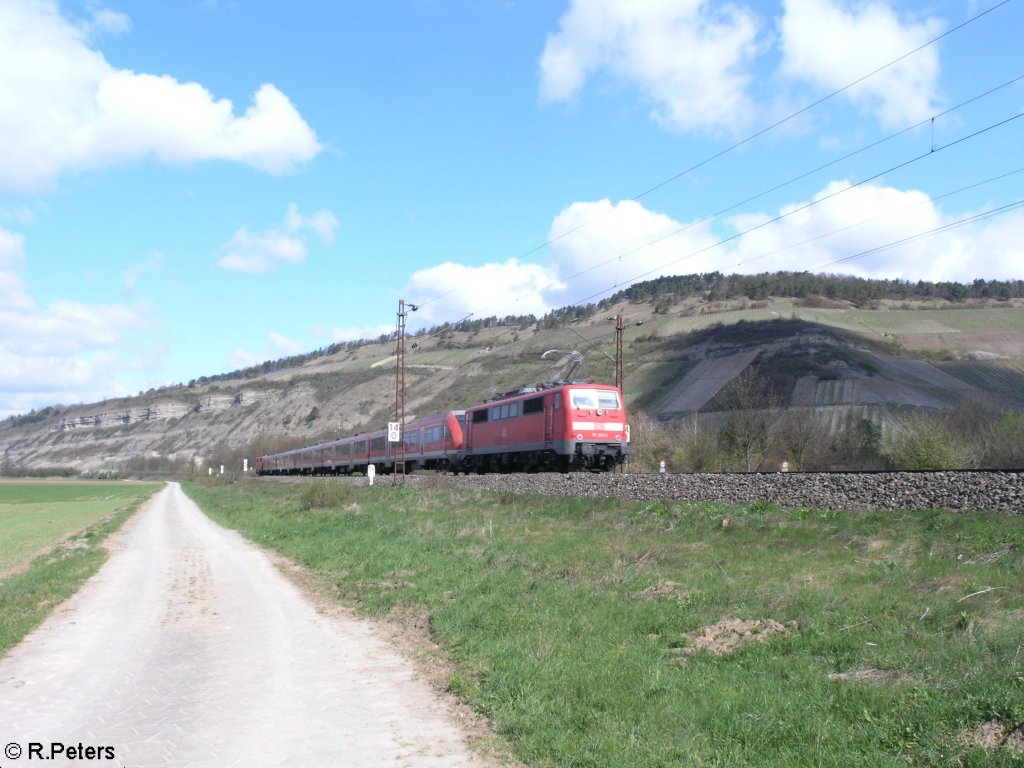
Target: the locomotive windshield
pixel 595 398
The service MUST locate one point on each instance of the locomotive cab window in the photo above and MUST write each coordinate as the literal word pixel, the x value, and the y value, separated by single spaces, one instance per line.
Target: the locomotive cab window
pixel 533 405
pixel 584 400
pixel 479 416
pixel 595 398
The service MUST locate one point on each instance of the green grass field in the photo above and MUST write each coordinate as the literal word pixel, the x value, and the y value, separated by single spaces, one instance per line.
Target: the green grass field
pixel 35 517
pixel 49 543
pixel 575 626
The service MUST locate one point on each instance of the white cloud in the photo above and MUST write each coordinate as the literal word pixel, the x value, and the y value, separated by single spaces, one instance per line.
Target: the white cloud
pixel 354 333
pixel 105 21
pixel 12 252
pixel 817 235
pixel 64 108
pixel 281 343
pixel 19 214
pixel 694 60
pixel 278 345
pixel 507 288
pixel 842 222
pixel 63 352
pixel 136 271
pixel 690 58
pixel 323 222
pixel 611 245
pixel 831 44
pixel 261 252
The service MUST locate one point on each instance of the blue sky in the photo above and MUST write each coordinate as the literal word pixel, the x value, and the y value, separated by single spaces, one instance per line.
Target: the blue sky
pixel 191 187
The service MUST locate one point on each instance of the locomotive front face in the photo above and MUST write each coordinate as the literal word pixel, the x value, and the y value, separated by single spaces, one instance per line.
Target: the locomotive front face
pixel 595 426
pixel 596 415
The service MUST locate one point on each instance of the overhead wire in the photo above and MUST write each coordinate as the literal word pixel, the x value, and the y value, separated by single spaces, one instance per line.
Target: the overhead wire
pixel 748 139
pixel 777 187
pixel 594 342
pixel 933 149
pixel 790 212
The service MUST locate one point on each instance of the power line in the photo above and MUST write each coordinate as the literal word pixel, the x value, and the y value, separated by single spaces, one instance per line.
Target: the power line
pixel 793 211
pixel 966 220
pixel 882 216
pixel 750 138
pixel 877 249
pixel 690 225
pixel 928 233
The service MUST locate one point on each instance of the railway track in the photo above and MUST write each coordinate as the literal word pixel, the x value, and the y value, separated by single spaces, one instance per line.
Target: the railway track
pixel 973 490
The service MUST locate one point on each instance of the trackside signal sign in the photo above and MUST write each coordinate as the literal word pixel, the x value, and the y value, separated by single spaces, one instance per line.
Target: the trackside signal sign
pixel 394 431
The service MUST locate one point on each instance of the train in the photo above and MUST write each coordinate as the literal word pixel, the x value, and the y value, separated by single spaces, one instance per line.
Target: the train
pixel 561 428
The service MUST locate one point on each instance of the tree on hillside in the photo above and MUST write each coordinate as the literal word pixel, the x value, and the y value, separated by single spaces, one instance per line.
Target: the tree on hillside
pixel 745 433
pixel 927 441
pixel 800 438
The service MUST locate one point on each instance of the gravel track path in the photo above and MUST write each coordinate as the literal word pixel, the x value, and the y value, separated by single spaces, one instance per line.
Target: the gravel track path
pixel 189 648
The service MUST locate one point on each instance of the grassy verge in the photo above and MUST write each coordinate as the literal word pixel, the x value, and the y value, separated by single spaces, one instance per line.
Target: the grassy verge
pixel 576 626
pixel 35 514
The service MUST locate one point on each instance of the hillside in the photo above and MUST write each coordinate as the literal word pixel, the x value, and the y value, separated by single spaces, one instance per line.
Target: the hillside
pixel 831 356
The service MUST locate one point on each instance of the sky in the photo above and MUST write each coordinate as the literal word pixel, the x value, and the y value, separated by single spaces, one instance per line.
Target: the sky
pixel 193 187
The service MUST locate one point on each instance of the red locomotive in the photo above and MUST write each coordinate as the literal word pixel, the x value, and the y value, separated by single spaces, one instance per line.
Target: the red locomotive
pixel 561 428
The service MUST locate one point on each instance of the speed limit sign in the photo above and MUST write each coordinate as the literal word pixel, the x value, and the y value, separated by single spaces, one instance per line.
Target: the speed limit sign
pixel 394 431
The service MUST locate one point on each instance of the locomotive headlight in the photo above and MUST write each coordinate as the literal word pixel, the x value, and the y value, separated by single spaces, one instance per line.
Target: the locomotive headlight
pixel 579 436
pixel 600 412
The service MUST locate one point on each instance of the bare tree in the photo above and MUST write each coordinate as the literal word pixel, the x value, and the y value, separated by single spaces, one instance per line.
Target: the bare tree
pixel 745 430
pixel 800 437
pixel 698 449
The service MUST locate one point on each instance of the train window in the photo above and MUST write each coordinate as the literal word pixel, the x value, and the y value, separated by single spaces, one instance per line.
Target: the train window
pixel 513 410
pixel 360 447
pixel 479 416
pixel 595 398
pixel 432 435
pixel 344 449
pixel 377 444
pixel 533 405
pixel 558 400
pixel 412 439
pixel 495 413
pixel 584 398
pixel 504 411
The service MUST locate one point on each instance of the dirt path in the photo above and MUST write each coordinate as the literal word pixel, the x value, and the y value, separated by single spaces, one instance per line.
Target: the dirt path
pixel 189 648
